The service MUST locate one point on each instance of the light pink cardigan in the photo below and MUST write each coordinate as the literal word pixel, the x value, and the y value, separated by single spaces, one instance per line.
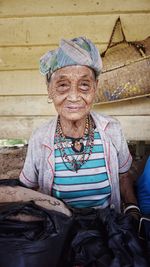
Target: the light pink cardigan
pixel 39 165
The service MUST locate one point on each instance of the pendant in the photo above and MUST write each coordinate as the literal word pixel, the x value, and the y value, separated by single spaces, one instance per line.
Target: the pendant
pixel 77 146
pixel 76 166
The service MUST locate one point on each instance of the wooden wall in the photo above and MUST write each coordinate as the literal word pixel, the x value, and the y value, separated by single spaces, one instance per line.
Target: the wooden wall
pixel 29 28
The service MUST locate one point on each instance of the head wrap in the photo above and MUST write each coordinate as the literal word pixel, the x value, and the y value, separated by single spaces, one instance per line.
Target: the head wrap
pixel 78 51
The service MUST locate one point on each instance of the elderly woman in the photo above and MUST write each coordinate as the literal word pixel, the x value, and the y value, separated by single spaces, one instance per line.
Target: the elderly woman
pixel 80 156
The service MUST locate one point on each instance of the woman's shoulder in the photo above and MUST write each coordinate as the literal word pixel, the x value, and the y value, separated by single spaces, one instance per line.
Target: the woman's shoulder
pixel 105 120
pixel 44 130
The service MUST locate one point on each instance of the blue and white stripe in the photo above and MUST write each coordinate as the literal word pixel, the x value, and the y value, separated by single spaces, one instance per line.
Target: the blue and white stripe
pixel 89 186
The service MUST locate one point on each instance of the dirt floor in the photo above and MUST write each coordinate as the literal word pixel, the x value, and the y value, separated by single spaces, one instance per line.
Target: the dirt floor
pixel 12 160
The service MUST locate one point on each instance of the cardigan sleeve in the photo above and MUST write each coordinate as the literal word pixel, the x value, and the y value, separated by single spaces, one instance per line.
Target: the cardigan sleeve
pixel 116 135
pixel 29 173
pixel 124 156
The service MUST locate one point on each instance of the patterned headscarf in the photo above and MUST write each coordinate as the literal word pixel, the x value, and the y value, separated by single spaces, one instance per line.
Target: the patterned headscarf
pixel 78 51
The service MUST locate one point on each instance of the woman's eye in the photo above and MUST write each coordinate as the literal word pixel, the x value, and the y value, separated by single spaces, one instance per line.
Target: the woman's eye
pixel 84 86
pixel 61 87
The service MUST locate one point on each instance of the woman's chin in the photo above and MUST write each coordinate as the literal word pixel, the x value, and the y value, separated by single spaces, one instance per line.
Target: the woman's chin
pixel 73 116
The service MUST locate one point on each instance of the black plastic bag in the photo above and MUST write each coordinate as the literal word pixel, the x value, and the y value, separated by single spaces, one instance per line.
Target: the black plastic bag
pixel 122 240
pixel 37 243
pixel 104 238
pixel 89 247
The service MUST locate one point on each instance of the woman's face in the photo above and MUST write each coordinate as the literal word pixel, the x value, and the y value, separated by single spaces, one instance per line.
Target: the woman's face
pixel 72 90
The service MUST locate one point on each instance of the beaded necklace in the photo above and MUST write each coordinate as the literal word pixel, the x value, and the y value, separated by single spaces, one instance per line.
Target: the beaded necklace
pixel 82 152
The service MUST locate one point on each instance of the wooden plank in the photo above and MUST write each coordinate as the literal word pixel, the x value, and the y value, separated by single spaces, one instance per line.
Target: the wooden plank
pixel 136 128
pixel 25 106
pixel 20 127
pixel 52 7
pixel 139 106
pixel 33 83
pixel 23 31
pixel 134 24
pixel 27 82
pixel 20 58
pixel 38 106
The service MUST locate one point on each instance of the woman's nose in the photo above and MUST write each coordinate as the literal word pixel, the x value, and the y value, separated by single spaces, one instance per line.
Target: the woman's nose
pixel 73 94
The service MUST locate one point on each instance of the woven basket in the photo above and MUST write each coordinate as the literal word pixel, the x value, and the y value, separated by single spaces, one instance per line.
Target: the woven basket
pixel 126 68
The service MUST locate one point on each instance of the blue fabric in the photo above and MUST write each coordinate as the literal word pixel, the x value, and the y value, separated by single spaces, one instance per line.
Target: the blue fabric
pixel 143 189
pixel 78 51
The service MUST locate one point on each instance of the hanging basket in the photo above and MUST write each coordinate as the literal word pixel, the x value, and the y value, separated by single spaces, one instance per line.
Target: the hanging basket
pixel 126 68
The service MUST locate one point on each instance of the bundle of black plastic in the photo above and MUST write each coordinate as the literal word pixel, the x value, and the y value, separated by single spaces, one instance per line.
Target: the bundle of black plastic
pixel 104 238
pixel 36 243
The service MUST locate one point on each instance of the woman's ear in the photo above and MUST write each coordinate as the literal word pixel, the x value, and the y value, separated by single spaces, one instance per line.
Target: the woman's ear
pixel 49 99
pixel 96 91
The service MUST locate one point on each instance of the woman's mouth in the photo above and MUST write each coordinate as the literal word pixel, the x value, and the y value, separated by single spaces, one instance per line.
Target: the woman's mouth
pixel 74 107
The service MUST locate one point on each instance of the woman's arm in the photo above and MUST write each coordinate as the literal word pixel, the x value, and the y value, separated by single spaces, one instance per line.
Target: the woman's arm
pixel 128 192
pixel 127 187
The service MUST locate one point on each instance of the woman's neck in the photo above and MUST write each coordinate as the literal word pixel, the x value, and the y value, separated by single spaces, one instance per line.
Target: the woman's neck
pixel 73 129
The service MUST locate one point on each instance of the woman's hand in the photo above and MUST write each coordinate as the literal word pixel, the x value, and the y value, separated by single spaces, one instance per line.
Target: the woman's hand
pixel 134 211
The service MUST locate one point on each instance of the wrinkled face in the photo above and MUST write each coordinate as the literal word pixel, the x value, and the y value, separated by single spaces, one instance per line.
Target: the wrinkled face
pixel 72 90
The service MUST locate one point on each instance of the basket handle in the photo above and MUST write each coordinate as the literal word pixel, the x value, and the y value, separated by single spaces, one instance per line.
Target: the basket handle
pixel 117 25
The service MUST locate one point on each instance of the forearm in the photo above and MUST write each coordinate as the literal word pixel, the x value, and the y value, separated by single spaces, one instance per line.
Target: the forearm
pixel 127 188
pixel 128 196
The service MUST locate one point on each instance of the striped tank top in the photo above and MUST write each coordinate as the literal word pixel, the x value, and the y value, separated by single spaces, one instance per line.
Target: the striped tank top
pixel 89 186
